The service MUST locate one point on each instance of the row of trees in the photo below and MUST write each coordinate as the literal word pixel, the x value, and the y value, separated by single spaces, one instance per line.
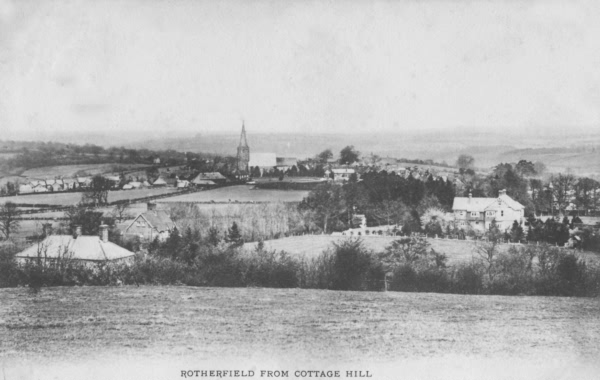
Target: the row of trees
pixel 407 264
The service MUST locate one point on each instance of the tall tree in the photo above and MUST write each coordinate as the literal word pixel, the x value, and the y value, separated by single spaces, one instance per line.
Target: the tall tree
pixel 97 192
pixel 465 161
pixel 8 219
pixel 349 155
pixel 328 204
pixel 525 168
pixel 324 156
pixel 587 192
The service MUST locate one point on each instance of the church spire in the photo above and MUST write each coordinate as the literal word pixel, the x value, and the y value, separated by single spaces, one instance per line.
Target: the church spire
pixel 243 141
pixel 243 152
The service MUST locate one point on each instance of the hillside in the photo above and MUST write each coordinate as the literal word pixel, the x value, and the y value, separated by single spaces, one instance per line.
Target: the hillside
pixel 154 332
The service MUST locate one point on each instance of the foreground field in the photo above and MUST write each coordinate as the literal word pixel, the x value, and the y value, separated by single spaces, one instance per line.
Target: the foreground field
pixel 109 331
pixel 312 245
pixel 241 193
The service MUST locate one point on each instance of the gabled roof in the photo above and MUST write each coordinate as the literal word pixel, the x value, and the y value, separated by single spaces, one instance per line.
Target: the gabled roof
pixel 89 248
pixel 485 204
pixel 159 181
pixel 506 200
pixel 158 219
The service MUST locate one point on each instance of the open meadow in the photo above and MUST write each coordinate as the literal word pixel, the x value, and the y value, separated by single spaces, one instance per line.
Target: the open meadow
pixel 312 245
pixel 72 198
pixel 155 332
pixel 240 193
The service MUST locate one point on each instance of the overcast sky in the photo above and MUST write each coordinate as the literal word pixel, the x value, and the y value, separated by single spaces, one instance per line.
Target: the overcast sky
pixel 295 66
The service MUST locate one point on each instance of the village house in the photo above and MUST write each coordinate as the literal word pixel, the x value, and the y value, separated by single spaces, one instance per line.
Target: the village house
pixel 25 189
pixel 91 249
pixel 340 174
pixel 151 224
pixel 478 213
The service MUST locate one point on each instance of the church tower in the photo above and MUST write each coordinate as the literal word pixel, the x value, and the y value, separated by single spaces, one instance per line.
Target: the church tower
pixel 243 153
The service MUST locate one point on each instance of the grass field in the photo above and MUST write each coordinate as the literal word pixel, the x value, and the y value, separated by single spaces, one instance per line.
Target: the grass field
pixel 70 170
pixel 155 332
pixel 312 245
pixel 66 199
pixel 241 193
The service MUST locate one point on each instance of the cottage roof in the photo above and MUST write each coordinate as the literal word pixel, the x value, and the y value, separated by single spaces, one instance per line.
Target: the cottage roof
pixel 89 248
pixel 210 176
pixel 204 182
pixel 158 219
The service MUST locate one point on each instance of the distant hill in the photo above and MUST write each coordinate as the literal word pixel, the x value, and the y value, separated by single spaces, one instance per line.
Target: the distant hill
pixel 580 153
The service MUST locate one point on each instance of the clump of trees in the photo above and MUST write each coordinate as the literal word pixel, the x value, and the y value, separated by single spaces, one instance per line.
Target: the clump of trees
pixel 384 198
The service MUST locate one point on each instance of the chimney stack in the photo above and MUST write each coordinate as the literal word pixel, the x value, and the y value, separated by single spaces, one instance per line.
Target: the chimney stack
pixel 502 192
pixel 151 206
pixel 470 196
pixel 104 233
pixel 77 232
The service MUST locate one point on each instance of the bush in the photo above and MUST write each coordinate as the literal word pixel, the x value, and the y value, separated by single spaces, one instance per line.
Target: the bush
pixel 354 267
pixel 467 279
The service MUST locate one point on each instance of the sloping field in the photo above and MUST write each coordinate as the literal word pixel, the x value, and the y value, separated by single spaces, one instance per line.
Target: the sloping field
pixel 155 332
pixel 241 193
pixel 70 170
pixel 312 245
pixel 66 199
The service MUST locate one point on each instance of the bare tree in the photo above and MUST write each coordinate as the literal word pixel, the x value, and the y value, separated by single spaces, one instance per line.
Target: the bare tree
pixel 562 187
pixel 488 250
pixel 8 219
pixel 121 211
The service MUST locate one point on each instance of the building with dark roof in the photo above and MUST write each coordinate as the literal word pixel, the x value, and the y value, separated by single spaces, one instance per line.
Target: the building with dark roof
pixel 151 224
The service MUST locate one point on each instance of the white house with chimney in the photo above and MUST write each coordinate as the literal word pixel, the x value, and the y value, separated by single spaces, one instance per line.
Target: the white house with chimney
pixel 83 248
pixel 478 213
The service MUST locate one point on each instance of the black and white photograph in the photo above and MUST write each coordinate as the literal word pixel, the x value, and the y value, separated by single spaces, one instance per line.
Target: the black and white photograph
pixel 299 189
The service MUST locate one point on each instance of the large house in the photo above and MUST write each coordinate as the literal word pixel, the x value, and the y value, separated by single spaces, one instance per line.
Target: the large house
pixel 76 247
pixel 478 213
pixel 152 224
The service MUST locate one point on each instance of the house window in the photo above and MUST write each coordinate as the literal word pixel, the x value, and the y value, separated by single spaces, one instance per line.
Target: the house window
pixel 474 214
pixel 502 213
pixel 491 213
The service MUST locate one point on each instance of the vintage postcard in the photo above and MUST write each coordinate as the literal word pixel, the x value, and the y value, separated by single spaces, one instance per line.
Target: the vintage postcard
pixel 262 189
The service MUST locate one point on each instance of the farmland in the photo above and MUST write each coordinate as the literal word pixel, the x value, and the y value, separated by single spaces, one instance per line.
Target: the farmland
pixel 154 332
pixel 67 199
pixel 241 193
pixel 312 245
